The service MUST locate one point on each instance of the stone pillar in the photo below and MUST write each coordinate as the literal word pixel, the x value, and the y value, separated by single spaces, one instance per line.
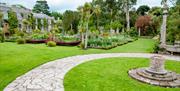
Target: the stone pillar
pixel 42 23
pixel 164 24
pixel 49 25
pixel 36 23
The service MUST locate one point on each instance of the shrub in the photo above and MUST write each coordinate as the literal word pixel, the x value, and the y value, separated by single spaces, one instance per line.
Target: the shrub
pixel 51 43
pixel 21 41
pixel 21 34
pixel 1 36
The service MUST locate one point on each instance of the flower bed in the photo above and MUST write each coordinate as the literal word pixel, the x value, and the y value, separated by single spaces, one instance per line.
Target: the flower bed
pixel 61 43
pixel 109 42
pixel 37 38
pixel 36 41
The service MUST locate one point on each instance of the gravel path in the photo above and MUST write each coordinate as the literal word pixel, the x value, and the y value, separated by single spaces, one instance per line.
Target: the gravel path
pixel 49 77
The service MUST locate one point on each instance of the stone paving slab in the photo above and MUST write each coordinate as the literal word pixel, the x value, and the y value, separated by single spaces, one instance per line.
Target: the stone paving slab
pixel 50 76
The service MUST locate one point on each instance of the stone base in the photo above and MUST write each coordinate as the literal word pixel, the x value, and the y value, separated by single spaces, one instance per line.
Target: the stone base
pixel 170 79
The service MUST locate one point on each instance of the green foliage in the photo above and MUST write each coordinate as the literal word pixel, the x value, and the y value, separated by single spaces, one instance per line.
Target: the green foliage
pixel 45 23
pixel 39 23
pixel 1 35
pixel 173 32
pixel 41 6
pixel 38 36
pixel 56 15
pixel 143 9
pixel 109 42
pixel 51 43
pixel 21 41
pixel 25 24
pixel 67 38
pixel 70 20
pixel 13 21
pixel 157 11
pixel 32 21
pixel 21 34
pixel 36 31
pixel 1 16
pixel 133 32
pixel 116 25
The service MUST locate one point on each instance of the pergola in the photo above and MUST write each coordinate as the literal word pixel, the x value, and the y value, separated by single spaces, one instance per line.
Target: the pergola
pixel 42 16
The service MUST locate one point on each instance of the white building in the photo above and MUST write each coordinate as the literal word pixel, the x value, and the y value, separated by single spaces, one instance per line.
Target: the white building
pixel 23 13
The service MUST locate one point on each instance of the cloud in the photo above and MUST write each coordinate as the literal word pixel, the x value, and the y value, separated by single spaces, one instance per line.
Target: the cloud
pixel 62 5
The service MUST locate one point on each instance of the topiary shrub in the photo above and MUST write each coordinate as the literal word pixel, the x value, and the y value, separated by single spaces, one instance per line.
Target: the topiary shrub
pixel 51 43
pixel 21 41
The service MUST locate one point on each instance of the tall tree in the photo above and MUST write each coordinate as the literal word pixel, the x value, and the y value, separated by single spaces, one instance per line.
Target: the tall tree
pixel 143 9
pixel 87 9
pixel 70 21
pixel 97 11
pixel 41 6
pixel 127 4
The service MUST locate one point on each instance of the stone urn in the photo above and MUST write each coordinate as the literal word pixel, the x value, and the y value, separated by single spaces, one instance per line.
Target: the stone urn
pixel 157 65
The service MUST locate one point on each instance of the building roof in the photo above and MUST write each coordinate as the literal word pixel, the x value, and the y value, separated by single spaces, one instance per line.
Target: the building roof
pixel 41 15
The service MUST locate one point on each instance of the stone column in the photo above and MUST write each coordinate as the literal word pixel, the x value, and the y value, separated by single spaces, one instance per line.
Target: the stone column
pixel 42 23
pixel 36 23
pixel 164 24
pixel 49 25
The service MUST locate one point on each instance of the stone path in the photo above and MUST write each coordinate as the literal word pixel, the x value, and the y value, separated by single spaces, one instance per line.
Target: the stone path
pixel 49 77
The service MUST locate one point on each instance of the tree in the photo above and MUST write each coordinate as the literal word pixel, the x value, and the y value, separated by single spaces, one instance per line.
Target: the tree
pixel 70 21
pixel 143 9
pixel 41 6
pixel 142 23
pixel 127 4
pixel 13 21
pixel 155 11
pixel 56 15
pixel 97 11
pixel 87 9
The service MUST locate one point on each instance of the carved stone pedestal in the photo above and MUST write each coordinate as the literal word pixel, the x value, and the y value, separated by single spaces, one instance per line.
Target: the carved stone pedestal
pixel 156 74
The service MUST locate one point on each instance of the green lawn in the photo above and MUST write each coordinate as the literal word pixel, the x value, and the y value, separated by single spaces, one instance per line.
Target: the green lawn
pixel 112 75
pixel 16 60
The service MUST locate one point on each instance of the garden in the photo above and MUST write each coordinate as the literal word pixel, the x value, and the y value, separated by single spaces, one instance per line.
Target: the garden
pixel 29 42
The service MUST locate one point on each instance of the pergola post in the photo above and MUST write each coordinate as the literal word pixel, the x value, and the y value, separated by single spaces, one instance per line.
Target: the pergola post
pixel 42 25
pixel 36 23
pixel 49 25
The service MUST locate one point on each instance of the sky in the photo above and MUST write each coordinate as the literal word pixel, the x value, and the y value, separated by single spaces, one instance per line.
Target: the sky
pixel 62 5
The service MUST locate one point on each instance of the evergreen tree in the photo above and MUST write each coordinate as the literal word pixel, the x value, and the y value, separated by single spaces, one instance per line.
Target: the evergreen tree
pixel 41 6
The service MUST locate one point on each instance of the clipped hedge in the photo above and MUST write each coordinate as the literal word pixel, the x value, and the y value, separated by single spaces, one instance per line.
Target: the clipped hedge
pixel 51 43
pixel 21 41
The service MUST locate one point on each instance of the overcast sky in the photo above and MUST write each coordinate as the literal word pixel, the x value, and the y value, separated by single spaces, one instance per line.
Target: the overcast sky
pixel 62 5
